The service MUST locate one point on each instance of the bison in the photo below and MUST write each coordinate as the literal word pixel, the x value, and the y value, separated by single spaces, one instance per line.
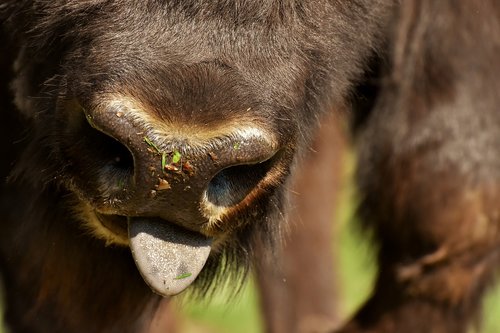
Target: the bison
pixel 162 129
pixel 158 139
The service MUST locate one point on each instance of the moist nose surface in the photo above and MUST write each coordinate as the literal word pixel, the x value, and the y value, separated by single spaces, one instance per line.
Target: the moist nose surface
pixel 177 176
pixel 173 173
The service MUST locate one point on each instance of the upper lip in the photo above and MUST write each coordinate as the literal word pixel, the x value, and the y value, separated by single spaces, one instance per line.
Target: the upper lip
pixel 118 224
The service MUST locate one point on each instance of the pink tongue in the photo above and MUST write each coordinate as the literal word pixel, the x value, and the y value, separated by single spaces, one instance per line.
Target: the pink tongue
pixel 168 257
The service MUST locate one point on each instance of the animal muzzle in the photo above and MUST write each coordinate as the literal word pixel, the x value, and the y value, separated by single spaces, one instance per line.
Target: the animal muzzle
pixel 173 185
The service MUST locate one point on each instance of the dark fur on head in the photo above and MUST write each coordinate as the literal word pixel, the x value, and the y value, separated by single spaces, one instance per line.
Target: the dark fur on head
pixel 285 62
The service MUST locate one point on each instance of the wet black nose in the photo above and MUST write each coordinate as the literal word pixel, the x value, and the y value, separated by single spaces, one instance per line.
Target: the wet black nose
pixel 179 173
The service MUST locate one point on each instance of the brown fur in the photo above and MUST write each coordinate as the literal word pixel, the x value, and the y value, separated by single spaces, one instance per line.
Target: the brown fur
pixel 429 156
pixel 429 169
pixel 215 65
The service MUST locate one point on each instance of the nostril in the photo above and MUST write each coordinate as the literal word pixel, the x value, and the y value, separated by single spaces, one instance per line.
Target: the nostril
pixel 97 152
pixel 231 185
pixel 109 151
pixel 113 153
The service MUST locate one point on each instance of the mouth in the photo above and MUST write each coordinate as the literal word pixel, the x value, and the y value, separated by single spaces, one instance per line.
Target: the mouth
pixel 168 257
pixel 115 225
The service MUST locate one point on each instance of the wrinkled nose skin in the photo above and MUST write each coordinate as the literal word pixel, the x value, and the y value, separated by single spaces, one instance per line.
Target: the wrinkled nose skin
pixel 179 185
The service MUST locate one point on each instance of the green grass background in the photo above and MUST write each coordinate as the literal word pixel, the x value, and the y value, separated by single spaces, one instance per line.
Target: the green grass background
pixel 356 273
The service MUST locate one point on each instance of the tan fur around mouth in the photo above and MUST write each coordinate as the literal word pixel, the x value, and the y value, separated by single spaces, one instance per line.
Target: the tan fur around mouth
pixel 98 229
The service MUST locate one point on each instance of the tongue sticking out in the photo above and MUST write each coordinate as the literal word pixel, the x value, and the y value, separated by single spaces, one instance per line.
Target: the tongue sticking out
pixel 168 257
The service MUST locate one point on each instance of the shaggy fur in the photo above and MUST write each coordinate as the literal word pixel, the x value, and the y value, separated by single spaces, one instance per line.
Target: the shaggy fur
pixel 425 117
pixel 206 64
pixel 429 169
